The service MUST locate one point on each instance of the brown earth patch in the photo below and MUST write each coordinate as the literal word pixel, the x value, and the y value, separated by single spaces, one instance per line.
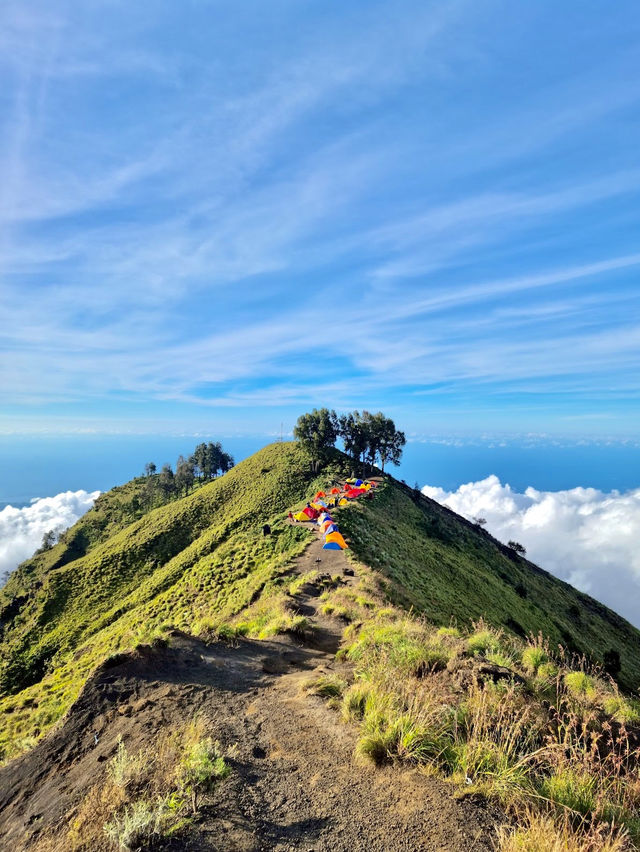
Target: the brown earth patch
pixel 294 783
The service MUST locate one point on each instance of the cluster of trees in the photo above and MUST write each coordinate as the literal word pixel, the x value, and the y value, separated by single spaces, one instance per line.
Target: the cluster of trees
pixel 367 438
pixel 206 462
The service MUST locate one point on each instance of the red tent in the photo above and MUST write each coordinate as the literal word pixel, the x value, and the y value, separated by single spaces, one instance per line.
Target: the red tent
pixel 335 490
pixel 311 513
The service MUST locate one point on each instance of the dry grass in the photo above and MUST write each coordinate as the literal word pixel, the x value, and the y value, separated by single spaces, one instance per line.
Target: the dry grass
pixel 143 795
pixel 552 744
pixel 538 832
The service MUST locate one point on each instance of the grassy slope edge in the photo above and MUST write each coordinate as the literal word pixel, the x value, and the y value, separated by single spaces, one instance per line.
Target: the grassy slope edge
pixel 448 569
pixel 180 564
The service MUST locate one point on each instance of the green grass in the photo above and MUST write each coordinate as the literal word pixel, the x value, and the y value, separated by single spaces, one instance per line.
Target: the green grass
pixel 195 563
pixel 449 570
pixel 124 576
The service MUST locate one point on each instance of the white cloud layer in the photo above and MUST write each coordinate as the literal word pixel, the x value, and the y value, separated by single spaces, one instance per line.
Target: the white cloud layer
pixel 584 536
pixel 21 530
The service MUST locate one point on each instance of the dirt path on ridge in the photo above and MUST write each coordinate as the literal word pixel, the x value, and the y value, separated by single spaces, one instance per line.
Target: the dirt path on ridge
pixel 294 783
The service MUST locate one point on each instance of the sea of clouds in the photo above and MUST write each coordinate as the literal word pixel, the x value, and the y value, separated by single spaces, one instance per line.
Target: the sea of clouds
pixel 21 530
pixel 587 537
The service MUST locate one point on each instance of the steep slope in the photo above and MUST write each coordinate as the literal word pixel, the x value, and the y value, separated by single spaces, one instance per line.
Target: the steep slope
pixel 201 562
pixel 293 783
pixel 198 557
pixel 449 569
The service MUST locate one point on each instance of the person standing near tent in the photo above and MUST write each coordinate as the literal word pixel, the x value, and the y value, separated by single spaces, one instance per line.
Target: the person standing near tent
pixel 266 530
pixel 290 516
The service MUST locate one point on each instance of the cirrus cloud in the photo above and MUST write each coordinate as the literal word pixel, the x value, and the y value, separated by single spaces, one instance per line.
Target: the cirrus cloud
pixel 21 530
pixel 586 537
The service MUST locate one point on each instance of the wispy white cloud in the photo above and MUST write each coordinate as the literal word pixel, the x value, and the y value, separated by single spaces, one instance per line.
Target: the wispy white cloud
pixel 182 217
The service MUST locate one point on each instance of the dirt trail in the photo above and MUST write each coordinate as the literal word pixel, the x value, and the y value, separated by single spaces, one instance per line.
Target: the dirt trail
pixel 294 784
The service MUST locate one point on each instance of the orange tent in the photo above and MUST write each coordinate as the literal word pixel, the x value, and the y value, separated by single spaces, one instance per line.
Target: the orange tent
pixel 320 494
pixel 337 538
pixel 335 490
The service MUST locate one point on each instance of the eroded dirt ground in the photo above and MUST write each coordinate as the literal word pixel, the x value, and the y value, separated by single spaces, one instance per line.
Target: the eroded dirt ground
pixel 294 784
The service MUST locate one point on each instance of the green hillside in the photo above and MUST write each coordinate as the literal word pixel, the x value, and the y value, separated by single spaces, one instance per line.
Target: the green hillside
pixel 199 557
pixel 122 576
pixel 449 569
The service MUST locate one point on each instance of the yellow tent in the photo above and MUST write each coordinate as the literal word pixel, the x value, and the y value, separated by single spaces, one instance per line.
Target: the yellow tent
pixel 343 502
pixel 300 516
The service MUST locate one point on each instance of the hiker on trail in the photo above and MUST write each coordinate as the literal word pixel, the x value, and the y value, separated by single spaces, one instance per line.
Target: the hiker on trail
pixel 266 530
pixel 290 516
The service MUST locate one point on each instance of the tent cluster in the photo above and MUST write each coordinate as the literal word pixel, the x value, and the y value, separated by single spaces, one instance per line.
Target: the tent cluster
pixel 318 510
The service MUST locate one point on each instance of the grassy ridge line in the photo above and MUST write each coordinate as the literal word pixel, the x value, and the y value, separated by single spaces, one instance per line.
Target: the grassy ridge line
pixel 446 568
pixel 218 574
pixel 80 597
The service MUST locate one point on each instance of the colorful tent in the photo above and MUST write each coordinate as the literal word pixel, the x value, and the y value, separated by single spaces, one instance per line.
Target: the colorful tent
pixel 331 545
pixel 354 492
pixel 337 537
pixel 312 514
pixel 335 490
pixel 301 516
pixel 343 502
pixel 358 483
pixel 331 528
pixel 320 494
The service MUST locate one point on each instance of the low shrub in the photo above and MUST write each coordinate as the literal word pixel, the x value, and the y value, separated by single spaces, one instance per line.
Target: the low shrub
pixel 125 769
pixel 326 686
pixel 540 832
pixel 622 709
pixel 533 657
pixel 482 641
pixel 580 685
pixel 201 766
pixel 354 702
pixel 136 825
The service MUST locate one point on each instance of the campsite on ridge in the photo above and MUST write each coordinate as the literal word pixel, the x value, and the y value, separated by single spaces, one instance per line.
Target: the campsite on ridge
pixel 375 605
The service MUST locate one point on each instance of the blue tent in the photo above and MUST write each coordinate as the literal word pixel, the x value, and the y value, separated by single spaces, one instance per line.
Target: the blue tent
pixel 331 545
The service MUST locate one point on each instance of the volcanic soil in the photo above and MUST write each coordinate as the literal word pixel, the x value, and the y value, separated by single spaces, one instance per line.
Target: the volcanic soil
pixel 294 784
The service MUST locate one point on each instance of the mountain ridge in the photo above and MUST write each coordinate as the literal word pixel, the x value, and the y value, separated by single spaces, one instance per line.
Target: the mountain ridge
pixel 203 556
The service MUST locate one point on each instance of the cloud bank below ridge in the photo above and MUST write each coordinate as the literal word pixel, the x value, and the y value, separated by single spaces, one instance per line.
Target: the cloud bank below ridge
pixel 21 530
pixel 584 536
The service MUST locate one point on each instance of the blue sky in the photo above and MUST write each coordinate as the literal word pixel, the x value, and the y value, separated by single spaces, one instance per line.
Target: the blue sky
pixel 217 215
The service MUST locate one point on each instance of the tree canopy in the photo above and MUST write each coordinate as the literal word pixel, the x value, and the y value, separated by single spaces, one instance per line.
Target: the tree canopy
pixel 367 438
pixel 206 462
pixel 317 431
